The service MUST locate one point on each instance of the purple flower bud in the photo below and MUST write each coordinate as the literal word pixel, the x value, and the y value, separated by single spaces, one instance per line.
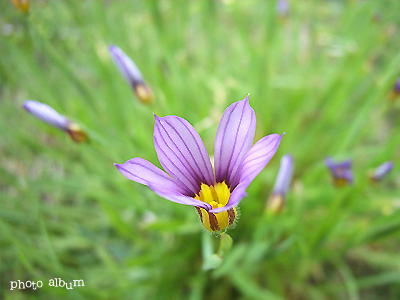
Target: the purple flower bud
pixel 284 175
pixel 282 7
pixel 341 172
pixel 132 74
pixel 48 115
pixel 282 183
pixel 380 172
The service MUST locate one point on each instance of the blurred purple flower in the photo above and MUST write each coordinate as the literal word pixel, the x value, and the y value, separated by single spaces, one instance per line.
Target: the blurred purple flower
pixel 395 91
pixel 397 86
pixel 282 7
pixel 381 171
pixel 282 183
pixel 48 115
pixel 183 155
pixel 132 74
pixel 341 172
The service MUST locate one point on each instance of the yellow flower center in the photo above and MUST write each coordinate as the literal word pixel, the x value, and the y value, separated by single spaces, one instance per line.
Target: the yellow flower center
pixel 217 196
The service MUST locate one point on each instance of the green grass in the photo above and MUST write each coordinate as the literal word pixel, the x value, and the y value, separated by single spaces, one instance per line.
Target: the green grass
pixel 322 75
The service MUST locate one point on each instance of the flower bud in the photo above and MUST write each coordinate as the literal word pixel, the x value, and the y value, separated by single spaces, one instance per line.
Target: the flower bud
pixel 381 171
pixel 48 115
pixel 282 8
pixel 132 74
pixel 276 201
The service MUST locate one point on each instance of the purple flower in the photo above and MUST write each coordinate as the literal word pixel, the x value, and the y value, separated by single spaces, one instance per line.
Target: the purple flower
pixel 191 179
pixel 48 115
pixel 282 183
pixel 380 172
pixel 341 172
pixel 132 74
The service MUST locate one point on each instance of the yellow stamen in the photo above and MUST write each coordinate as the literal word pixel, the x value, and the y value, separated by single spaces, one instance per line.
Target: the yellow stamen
pixel 217 196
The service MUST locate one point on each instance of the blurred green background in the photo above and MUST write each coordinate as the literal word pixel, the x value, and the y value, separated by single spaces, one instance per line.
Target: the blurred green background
pixel 321 73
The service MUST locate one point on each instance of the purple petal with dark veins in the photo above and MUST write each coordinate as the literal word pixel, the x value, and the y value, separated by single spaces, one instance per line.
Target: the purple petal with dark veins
pixel 144 172
pixel 233 140
pixel 253 163
pixel 258 157
pixel 178 197
pixel 182 153
pixel 237 195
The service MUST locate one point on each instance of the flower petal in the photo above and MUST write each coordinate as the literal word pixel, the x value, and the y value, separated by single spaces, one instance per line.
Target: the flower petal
pixel 253 163
pixel 144 172
pixel 233 140
pixel 182 153
pixel 346 164
pixel 237 195
pixel 258 157
pixel 178 197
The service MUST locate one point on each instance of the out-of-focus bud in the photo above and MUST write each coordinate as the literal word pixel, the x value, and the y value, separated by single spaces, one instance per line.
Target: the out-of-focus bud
pixel 21 5
pixel 276 201
pixel 132 74
pixel 395 92
pixel 282 9
pixel 381 172
pixel 376 18
pixel 341 172
pixel 48 115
